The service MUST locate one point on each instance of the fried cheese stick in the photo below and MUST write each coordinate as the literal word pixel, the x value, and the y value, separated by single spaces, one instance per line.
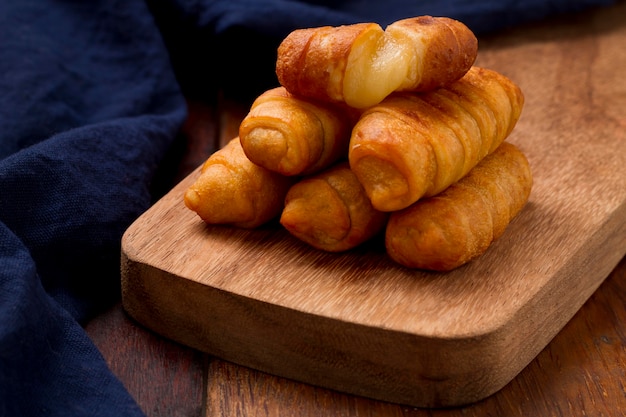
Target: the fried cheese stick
pixel 293 135
pixel 450 229
pixel 415 145
pixel 233 190
pixel 330 211
pixel 360 64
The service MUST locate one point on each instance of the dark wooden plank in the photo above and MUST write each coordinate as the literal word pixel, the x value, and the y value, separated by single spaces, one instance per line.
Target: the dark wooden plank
pixel 165 378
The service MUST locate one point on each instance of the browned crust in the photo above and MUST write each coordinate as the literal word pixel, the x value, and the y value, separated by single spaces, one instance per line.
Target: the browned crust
pixel 312 62
pixel 404 142
pixel 315 134
pixel 330 211
pixel 450 52
pixel 232 190
pixel 452 228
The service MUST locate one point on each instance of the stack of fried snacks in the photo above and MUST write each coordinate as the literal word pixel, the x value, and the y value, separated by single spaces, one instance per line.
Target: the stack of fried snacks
pixel 373 132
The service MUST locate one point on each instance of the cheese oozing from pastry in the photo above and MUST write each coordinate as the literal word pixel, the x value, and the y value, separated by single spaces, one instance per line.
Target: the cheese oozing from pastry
pixel 377 65
pixel 361 64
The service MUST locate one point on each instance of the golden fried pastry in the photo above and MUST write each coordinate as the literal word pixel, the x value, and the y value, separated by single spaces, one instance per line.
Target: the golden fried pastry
pixel 233 190
pixel 414 145
pixel 295 136
pixel 450 229
pixel 361 64
pixel 330 211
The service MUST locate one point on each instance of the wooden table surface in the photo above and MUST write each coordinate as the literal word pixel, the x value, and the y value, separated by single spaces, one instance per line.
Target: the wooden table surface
pixel 581 372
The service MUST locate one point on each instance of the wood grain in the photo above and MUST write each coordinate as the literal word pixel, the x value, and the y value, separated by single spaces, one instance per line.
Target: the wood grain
pixel 581 372
pixel 360 324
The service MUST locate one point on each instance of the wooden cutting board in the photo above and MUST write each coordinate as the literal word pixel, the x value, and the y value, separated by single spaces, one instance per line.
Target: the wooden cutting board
pixel 357 322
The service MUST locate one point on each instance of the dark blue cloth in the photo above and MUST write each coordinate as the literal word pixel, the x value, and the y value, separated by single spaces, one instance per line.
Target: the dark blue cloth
pixel 92 97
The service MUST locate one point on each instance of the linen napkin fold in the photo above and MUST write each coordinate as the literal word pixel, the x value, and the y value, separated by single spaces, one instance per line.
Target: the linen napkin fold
pixel 89 106
pixel 92 96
